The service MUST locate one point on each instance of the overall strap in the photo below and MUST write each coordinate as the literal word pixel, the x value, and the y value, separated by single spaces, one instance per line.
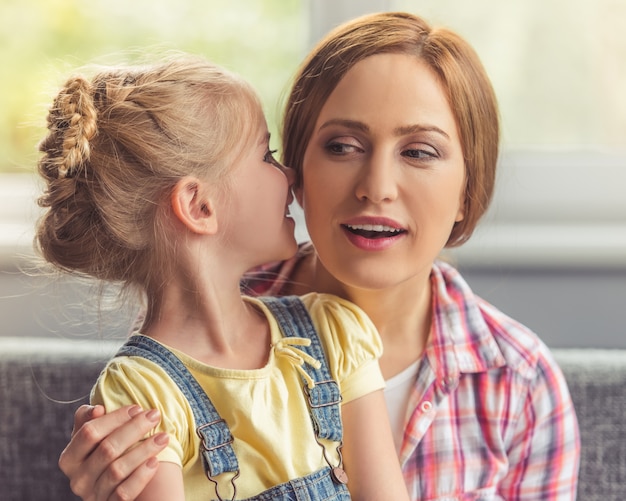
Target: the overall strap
pixel 217 453
pixel 324 398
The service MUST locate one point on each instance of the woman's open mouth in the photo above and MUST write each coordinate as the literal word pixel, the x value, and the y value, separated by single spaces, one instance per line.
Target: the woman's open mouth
pixel 373 230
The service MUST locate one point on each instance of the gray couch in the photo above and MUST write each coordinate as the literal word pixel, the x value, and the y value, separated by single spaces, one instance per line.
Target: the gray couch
pixel 43 380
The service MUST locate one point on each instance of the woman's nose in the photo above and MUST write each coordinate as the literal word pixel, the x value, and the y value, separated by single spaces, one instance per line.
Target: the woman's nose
pixel 377 182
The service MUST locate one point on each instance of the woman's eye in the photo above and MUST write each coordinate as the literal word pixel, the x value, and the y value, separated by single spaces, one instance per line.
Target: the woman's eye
pixel 337 148
pixel 419 153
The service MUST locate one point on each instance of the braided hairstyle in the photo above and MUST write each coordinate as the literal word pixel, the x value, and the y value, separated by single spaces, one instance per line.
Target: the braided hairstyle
pixel 117 143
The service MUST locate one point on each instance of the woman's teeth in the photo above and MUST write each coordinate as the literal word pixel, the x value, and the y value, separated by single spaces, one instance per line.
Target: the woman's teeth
pixel 374 230
pixel 373 227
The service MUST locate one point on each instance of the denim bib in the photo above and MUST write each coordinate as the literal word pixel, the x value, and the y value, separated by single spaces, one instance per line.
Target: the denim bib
pixel 323 399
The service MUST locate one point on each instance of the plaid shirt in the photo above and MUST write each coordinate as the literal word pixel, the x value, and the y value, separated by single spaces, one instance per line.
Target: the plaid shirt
pixel 490 416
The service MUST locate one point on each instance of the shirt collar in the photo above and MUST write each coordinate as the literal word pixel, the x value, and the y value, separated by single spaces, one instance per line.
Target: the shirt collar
pixel 460 340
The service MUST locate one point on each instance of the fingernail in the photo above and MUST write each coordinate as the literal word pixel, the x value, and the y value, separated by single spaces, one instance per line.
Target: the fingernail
pixel 153 415
pixel 134 410
pixel 161 439
pixel 152 462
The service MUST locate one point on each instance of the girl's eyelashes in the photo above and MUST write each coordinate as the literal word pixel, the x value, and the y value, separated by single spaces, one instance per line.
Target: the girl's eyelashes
pixel 269 158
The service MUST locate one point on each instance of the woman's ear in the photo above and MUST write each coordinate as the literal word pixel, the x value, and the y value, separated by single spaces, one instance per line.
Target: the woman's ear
pixel 460 215
pixel 193 206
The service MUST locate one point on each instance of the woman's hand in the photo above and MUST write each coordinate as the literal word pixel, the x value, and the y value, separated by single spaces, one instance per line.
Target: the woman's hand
pixel 106 458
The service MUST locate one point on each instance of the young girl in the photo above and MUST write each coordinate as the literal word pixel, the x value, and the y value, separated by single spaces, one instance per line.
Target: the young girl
pixel 161 178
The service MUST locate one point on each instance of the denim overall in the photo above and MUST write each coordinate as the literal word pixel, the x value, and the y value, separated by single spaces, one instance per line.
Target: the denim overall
pixel 217 453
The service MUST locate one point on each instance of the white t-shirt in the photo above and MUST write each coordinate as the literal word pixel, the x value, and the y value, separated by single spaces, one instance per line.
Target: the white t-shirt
pixel 397 392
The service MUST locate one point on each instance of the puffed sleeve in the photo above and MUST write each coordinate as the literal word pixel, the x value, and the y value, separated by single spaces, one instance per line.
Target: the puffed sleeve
pixel 135 380
pixel 351 341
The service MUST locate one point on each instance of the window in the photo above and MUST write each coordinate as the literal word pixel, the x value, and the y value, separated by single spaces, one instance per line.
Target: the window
pixel 557 67
pixel 41 42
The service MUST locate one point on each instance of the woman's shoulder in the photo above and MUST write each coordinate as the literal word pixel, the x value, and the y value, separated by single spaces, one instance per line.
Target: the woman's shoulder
pixel 520 348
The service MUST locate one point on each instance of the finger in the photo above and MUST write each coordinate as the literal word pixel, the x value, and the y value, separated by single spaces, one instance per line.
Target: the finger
pixel 113 446
pixel 86 413
pixel 127 477
pixel 135 484
pixel 88 436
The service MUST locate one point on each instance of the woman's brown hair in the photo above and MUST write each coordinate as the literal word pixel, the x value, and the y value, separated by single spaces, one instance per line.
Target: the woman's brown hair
pixel 453 60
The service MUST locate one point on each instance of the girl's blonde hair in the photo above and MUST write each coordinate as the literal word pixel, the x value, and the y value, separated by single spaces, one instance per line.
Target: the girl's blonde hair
pixel 117 144
pixel 453 60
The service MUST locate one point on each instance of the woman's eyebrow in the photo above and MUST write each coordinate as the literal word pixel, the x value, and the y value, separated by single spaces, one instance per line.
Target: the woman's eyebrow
pixel 398 131
pixel 351 124
pixel 412 129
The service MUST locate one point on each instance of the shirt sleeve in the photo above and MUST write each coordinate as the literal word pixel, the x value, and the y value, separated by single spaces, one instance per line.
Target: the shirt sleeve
pixel 135 380
pixel 351 342
pixel 545 453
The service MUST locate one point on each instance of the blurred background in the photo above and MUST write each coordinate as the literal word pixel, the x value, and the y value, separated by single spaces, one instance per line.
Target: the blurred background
pixel 551 252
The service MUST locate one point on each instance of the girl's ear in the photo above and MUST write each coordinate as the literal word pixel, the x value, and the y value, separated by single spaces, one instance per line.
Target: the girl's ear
pixel 193 206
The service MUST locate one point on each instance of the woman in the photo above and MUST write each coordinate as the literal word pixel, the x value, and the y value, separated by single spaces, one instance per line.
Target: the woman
pixel 392 128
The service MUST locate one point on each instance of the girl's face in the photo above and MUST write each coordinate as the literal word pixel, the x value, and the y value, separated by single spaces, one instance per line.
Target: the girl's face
pixel 255 209
pixel 383 174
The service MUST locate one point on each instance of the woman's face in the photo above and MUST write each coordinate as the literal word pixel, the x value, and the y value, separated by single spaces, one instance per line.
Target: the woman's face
pixel 383 174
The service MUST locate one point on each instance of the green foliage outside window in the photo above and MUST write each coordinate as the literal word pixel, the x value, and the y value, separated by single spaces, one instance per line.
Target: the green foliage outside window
pixel 42 41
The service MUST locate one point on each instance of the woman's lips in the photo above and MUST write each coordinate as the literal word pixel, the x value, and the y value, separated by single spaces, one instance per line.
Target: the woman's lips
pixel 373 234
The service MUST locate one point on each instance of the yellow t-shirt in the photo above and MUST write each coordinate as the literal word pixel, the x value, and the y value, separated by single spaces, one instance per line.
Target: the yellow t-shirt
pixel 265 408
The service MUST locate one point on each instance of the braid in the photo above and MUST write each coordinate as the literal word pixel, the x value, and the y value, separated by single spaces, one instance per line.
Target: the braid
pixel 72 122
